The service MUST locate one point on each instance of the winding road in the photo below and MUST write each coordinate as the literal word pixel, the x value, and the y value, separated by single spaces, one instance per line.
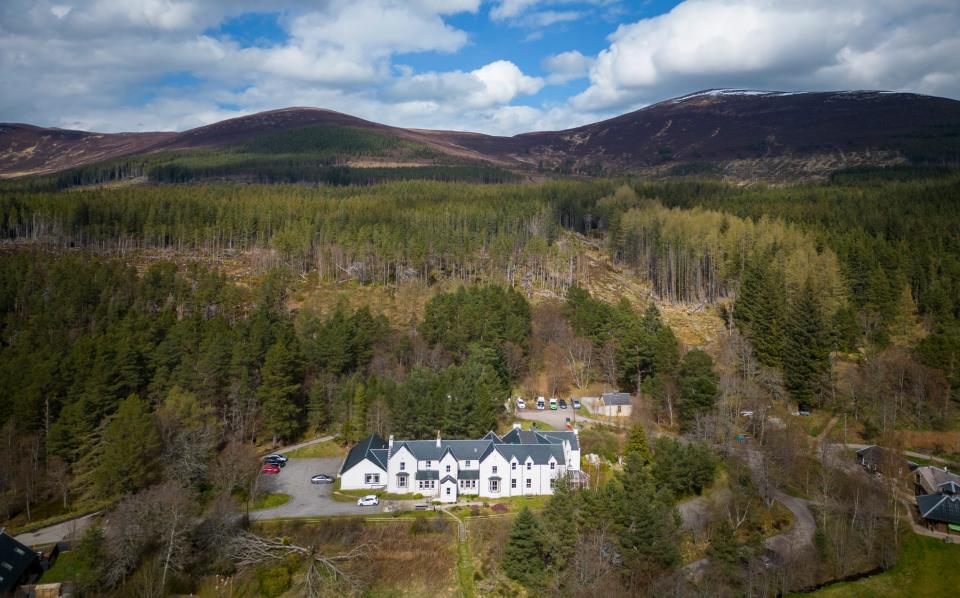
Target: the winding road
pixel 799 537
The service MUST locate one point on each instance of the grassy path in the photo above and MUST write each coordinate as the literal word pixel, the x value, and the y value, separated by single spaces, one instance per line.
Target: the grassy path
pixel 464 559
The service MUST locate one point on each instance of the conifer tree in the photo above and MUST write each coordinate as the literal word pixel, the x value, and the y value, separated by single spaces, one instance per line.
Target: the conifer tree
pixel 560 524
pixel 698 385
pixel 759 309
pixel 646 527
pixel 278 391
pixel 806 356
pixel 129 448
pixel 523 554
pixel 637 444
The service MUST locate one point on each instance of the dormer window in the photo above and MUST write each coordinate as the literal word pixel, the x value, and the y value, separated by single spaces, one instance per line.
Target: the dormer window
pixel 529 466
pixel 553 465
pixel 513 466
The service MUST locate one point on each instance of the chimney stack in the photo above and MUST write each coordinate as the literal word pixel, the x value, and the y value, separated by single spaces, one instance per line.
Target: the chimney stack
pixel 438 438
pixel 517 426
pixel 390 442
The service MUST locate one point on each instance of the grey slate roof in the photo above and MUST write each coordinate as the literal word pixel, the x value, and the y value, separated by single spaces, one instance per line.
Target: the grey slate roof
pixel 615 398
pixel 539 453
pixel 427 474
pixel 427 450
pixel 469 474
pixel 365 448
pixel 930 478
pixel 940 507
pixel 542 437
pixel 951 487
pixel 448 478
pixel 559 437
pixel 517 436
pixel 15 560
pixel 379 456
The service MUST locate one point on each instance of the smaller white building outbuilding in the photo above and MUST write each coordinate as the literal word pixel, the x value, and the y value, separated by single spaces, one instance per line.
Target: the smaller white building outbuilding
pixel 615 404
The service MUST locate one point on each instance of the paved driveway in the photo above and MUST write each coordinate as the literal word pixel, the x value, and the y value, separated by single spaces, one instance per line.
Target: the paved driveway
pixel 68 530
pixel 312 500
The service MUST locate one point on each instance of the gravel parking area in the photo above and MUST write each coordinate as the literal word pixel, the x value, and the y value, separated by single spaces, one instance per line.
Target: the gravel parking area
pixel 306 499
pixel 554 419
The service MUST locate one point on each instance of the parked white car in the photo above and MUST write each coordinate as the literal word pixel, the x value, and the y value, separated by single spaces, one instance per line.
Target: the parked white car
pixel 369 500
pixel 541 403
pixel 521 404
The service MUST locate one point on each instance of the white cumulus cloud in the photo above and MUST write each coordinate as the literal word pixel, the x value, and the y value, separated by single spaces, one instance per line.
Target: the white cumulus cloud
pixel 566 66
pixel 777 44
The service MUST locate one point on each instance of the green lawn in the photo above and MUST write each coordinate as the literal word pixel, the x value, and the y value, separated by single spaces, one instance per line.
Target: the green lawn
pixel 331 448
pixel 352 495
pixel 64 569
pixel 270 501
pixel 927 567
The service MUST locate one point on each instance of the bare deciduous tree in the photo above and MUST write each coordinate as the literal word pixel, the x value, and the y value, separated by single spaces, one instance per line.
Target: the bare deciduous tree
pixel 325 576
pixel 234 467
pixel 579 356
pixel 158 517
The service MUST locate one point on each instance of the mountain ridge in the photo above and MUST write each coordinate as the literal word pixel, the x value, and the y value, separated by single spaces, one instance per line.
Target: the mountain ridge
pixel 721 129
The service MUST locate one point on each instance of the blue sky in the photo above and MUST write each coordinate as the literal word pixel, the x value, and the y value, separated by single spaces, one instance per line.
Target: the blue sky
pixel 495 66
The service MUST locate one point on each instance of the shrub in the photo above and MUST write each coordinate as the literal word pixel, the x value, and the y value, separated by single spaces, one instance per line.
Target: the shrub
pixel 273 582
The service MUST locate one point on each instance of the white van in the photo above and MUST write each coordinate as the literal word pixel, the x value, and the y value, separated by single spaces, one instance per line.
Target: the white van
pixel 541 403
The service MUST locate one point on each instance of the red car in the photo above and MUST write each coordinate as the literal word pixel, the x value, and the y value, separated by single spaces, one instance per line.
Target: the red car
pixel 270 468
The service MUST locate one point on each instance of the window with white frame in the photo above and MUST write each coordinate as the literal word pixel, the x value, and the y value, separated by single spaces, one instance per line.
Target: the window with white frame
pixel 553 465
pixel 428 465
pixel 494 485
pixel 403 466
pixel 371 478
pixel 513 466
pixel 401 481
pixel 513 483
pixel 466 463
pixel 529 483
pixel 448 490
pixel 494 469
pixel 448 469
pixel 553 482
pixel 529 466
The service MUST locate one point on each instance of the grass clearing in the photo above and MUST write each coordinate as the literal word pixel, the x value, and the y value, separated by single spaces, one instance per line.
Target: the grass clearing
pixel 321 450
pixel 64 569
pixel 926 567
pixel 270 501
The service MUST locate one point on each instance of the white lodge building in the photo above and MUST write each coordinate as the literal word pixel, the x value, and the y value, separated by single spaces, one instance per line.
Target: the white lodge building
pixel 518 464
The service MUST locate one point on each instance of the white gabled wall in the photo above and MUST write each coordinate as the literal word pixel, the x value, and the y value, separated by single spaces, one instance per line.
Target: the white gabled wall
pixel 494 460
pixel 355 477
pixel 448 461
pixel 405 457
